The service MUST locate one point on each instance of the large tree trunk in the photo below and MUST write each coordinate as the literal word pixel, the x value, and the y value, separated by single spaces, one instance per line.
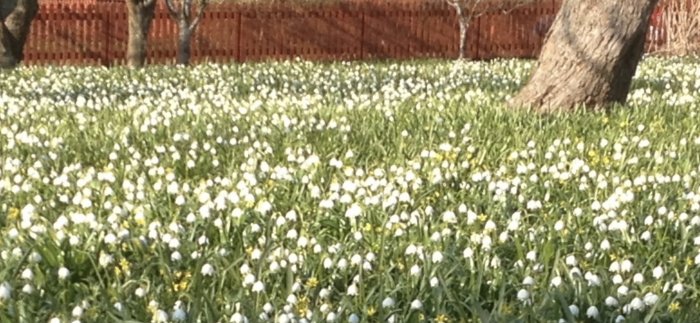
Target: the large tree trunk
pixel 140 15
pixel 17 16
pixel 589 56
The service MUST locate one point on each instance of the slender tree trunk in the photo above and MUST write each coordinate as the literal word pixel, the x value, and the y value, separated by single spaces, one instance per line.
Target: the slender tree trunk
pixel 184 44
pixel 17 16
pixel 140 15
pixel 589 55
pixel 463 29
pixel 463 19
pixel 187 21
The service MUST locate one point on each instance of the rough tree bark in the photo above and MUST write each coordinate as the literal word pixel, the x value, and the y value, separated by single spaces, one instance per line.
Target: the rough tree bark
pixel 17 16
pixel 589 56
pixel 181 12
pixel 140 13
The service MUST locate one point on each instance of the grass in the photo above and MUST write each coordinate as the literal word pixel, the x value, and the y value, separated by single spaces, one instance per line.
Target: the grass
pixel 300 191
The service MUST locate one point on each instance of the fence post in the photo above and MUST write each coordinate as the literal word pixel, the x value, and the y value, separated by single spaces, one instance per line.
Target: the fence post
pixel 362 31
pixel 239 18
pixel 105 16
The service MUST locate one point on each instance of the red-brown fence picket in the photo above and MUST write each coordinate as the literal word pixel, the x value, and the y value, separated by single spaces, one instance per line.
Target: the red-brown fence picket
pixel 95 32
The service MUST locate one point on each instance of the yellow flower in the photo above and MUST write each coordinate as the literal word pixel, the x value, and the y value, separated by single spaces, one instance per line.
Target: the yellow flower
pixel 182 281
pixel 312 282
pixel 674 307
pixel 371 311
pixel 302 306
pixel 442 318
pixel 483 217
pixel 13 214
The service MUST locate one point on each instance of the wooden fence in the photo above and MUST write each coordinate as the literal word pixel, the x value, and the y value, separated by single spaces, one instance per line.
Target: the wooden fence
pixel 96 33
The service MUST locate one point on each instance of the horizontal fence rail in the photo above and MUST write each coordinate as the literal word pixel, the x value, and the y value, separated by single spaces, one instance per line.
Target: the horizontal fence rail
pixel 95 33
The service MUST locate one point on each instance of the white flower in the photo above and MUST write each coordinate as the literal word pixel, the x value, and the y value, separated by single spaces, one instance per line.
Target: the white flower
pixel 27 274
pixel 258 287
pixel 449 217
pixel 354 318
pixel 63 273
pixel 238 318
pixel 416 304
pixel 77 311
pixel 353 212
pixel 352 290
pixel 611 301
pixel 592 312
pixel 434 282
pixel 626 266
pixel 650 299
pixel 388 302
pixel 331 317
pixel 415 270
pixel 179 314
pixel 468 253
pixel 617 279
pixel 556 281
pixel 677 288
pixel 638 278
pixel 160 316
pixel 27 289
pixel 528 281
pixel 637 304
pixel 622 290
pixel 559 225
pixel 573 309
pixel 523 295
pixel 207 270
pixel 5 291
pixel 658 272
pixel 437 257
pixel 605 245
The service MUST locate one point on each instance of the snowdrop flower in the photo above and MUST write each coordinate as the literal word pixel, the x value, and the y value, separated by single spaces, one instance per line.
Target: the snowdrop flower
pixel 179 314
pixel 63 273
pixel 658 272
pixel 611 301
pixel 523 296
pixel 636 304
pixel 638 278
pixel 5 291
pixel 677 288
pixel 574 310
pixel 650 299
pixel 353 318
pixel 416 304
pixel 626 266
pixel 258 287
pixel 353 212
pixel 207 270
pixel 388 302
pixel 437 257
pixel 622 290
pixel 592 312
pixel 556 281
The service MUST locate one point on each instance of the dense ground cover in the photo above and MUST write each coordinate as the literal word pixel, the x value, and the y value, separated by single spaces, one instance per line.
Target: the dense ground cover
pixel 344 192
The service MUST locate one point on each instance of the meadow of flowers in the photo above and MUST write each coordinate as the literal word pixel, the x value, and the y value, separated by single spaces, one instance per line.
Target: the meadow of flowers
pixel 345 192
